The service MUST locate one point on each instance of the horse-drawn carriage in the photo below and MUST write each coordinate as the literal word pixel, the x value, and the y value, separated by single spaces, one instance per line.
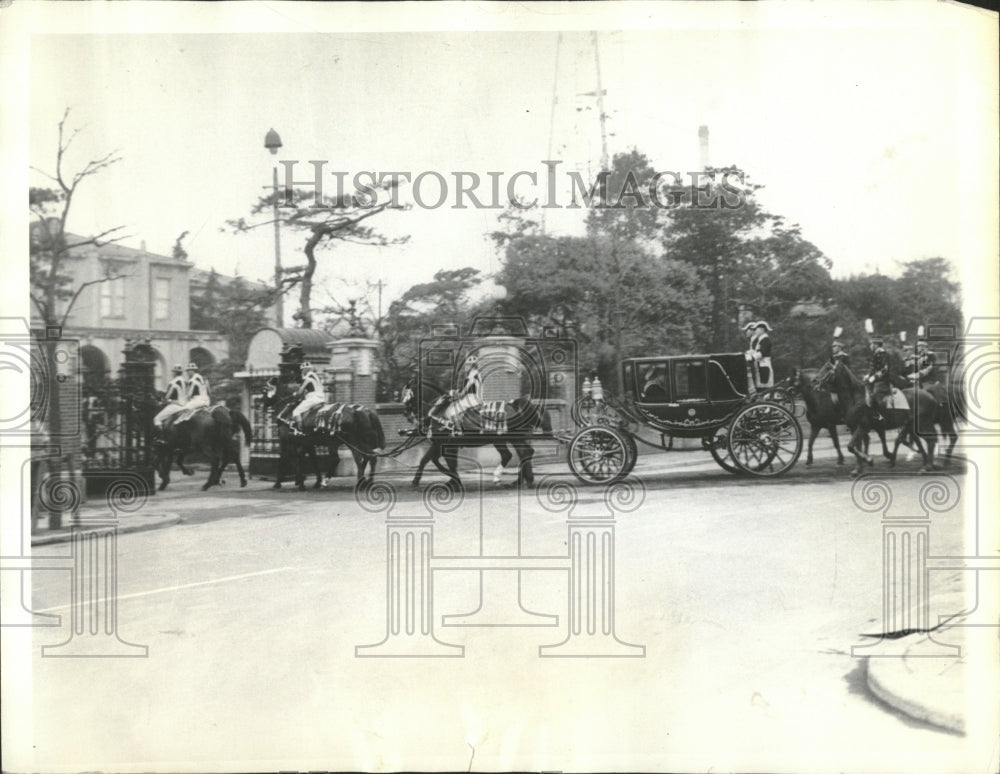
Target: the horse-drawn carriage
pixel 710 397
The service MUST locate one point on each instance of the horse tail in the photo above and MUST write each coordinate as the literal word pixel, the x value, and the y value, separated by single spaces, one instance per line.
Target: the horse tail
pixel 377 427
pixel 244 424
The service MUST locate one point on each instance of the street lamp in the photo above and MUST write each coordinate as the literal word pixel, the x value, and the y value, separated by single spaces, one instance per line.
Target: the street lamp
pixel 273 142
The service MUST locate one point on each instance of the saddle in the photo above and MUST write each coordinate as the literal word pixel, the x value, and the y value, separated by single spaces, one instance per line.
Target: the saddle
pixel 186 414
pixel 493 417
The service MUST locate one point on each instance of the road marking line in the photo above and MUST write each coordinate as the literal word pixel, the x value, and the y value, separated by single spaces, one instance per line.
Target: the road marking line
pixel 182 586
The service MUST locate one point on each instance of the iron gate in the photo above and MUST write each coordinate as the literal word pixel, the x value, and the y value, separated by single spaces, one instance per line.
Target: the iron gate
pixel 117 423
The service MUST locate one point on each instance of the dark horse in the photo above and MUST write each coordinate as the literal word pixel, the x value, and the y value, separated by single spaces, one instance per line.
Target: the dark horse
pixel 356 427
pixel 920 416
pixel 525 416
pixel 210 432
pixel 825 409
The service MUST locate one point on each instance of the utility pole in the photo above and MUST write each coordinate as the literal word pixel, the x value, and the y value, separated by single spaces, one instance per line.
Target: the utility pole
pixel 605 163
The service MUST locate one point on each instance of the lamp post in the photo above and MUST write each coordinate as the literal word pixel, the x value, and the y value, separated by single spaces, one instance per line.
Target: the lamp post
pixel 273 142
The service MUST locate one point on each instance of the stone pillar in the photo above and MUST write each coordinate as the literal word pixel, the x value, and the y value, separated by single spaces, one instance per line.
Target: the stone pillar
pixel 502 368
pixel 357 354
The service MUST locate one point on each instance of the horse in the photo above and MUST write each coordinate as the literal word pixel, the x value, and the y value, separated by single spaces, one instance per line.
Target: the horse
pixel 210 431
pixel 328 424
pixel 525 416
pixel 860 417
pixel 821 411
pixel 944 418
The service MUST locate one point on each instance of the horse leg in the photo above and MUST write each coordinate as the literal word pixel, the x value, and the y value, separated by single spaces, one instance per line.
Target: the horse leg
pixel 164 469
pixel 855 448
pixel 280 474
pixel 213 474
pixel 430 454
pixel 525 473
pixel 832 430
pixel 813 432
pixel 180 463
pixel 505 457
pixel 451 455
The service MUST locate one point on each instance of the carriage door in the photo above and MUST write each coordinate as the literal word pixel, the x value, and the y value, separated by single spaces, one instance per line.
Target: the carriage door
pixel 690 384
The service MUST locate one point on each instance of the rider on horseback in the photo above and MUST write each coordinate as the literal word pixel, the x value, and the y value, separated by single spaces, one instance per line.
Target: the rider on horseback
pixel 924 366
pixel 312 393
pixel 878 383
pixel 175 396
pixel 470 395
pixel 198 395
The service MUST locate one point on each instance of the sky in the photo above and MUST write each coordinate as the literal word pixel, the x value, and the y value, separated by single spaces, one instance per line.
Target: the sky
pixel 864 135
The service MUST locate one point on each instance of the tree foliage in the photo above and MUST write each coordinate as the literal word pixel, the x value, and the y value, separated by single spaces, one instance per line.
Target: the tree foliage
pixel 326 222
pixel 53 290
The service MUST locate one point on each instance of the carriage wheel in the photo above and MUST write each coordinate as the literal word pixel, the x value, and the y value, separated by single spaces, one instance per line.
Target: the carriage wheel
pixel 764 439
pixel 601 455
pixel 584 412
pixel 633 450
pixel 718 445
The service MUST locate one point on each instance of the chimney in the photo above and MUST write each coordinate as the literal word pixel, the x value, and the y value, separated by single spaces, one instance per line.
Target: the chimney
pixel 703 146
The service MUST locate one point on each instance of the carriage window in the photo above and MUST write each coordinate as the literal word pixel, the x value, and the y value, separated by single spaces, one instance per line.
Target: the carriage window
pixel 653 383
pixel 689 380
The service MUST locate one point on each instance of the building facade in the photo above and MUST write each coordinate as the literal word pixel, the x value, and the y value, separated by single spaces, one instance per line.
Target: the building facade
pixel 149 301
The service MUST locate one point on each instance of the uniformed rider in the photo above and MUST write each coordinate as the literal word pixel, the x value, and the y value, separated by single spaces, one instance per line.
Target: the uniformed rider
pixel 923 370
pixel 311 391
pixel 469 395
pixel 761 353
pixel 175 396
pixel 197 388
pixel 879 379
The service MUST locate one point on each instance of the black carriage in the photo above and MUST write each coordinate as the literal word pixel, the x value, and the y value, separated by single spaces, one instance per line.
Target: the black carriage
pixel 710 397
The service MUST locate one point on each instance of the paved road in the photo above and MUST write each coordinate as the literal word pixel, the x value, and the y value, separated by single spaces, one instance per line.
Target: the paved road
pixel 746 595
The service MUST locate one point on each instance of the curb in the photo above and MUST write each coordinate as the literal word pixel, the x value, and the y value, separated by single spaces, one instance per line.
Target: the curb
pixel 65 536
pixel 883 677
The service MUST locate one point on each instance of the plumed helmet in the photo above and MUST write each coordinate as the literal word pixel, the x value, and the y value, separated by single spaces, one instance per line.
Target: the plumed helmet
pixel 838 344
pixel 921 336
pixel 177 369
pixel 762 324
pixel 192 366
